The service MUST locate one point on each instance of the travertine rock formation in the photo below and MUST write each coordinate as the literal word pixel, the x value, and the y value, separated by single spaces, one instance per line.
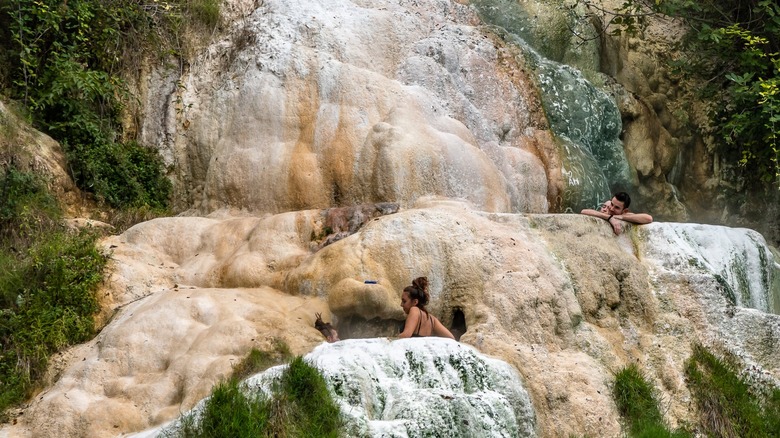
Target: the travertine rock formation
pixel 558 297
pixel 294 109
pixel 28 150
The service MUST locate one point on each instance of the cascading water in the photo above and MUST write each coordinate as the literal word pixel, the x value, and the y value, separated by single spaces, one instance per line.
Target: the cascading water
pixel 739 259
pixel 425 387
pixel 585 119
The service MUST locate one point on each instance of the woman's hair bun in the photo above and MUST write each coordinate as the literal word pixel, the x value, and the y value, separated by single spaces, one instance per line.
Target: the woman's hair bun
pixel 419 291
pixel 421 283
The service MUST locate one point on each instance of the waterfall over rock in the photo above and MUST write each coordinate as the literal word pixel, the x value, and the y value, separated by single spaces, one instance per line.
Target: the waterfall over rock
pixel 585 119
pixel 739 260
pixel 417 388
pixel 424 387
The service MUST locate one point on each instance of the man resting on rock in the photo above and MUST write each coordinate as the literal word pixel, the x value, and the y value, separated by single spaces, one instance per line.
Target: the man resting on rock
pixel 615 211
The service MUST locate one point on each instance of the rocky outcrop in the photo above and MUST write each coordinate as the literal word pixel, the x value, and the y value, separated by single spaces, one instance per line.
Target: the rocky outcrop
pixel 309 105
pixel 293 110
pixel 29 150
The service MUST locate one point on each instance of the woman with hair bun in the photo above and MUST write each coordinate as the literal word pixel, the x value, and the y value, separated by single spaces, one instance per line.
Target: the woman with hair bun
pixel 418 321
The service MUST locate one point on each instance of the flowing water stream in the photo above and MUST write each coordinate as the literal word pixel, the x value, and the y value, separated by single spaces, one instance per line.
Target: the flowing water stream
pixel 423 387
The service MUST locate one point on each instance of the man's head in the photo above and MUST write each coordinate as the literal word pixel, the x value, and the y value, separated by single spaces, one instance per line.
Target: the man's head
pixel 620 202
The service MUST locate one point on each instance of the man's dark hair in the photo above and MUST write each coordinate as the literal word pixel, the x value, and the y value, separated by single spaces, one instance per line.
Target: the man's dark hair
pixel 624 198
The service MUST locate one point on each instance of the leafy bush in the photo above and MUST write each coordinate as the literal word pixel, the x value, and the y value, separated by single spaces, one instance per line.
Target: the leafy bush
pixel 727 405
pixel 65 62
pixel 122 174
pixel 48 302
pixel 48 279
pixel 26 207
pixel 735 47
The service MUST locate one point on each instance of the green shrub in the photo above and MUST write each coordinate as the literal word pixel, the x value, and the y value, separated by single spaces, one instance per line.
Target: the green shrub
pixel 125 175
pixel 27 208
pixel 299 406
pixel 727 405
pixel 48 279
pixel 48 302
pixel 65 62
pixel 730 58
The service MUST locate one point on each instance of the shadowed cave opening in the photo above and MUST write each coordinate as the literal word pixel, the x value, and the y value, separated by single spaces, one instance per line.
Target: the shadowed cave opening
pixel 356 327
pixel 458 327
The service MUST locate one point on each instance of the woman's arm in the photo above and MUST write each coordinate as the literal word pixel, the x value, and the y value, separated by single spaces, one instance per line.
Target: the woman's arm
pixel 412 319
pixel 441 331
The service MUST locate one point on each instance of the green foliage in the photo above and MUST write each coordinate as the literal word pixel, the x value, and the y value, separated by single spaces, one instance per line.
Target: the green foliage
pixel 230 413
pixel 48 279
pixel 299 406
pixel 727 404
pixel 204 11
pixel 26 207
pixel 314 414
pixel 638 404
pixel 732 53
pixel 64 61
pixel 122 174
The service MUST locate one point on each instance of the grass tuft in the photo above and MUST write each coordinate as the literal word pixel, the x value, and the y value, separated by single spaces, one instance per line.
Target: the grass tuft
pixel 728 406
pixel 257 360
pixel 315 413
pixel 228 413
pixel 205 12
pixel 638 403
